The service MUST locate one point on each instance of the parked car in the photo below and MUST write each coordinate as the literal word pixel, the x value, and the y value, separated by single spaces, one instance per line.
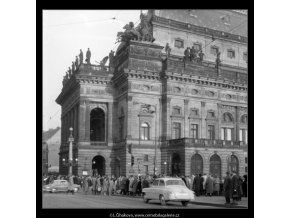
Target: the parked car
pixel 168 189
pixel 59 186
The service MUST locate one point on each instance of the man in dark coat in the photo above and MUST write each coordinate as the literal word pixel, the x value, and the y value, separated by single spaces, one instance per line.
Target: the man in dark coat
pixel 201 184
pixel 235 187
pixel 244 186
pixel 127 186
pixel 196 184
pixel 228 188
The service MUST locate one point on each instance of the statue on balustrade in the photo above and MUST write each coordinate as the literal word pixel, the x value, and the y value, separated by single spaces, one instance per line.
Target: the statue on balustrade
pixel 103 62
pixel 167 50
pixel 187 54
pixel 77 62
pixel 88 56
pixel 193 53
pixel 201 55
pixel 111 58
pixel 81 55
pixel 73 67
pixel 69 72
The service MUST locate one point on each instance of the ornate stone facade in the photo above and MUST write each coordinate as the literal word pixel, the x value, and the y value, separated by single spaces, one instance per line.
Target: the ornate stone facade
pixel 151 105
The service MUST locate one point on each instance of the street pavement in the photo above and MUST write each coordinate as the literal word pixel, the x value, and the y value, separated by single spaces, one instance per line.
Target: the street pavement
pixel 80 200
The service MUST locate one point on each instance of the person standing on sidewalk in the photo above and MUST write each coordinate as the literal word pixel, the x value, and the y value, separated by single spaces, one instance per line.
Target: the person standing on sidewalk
pixel 244 186
pixel 197 184
pixel 209 185
pixel 235 188
pixel 228 188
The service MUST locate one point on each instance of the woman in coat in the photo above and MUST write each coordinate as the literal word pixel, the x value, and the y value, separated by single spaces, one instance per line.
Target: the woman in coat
pixel 111 186
pixel 216 185
pixel 131 180
pixel 209 185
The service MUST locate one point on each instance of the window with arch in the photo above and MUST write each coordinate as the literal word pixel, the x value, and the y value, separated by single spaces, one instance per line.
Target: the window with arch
pixel 145 131
pixel 244 119
pixel 97 125
pixel 227 117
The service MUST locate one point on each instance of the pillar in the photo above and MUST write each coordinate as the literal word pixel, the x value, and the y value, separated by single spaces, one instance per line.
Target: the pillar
pixel 203 127
pixel 81 120
pixel 186 120
pixel 110 120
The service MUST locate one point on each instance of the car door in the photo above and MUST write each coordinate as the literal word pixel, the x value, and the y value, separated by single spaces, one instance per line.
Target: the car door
pixel 161 188
pixel 63 186
pixel 155 189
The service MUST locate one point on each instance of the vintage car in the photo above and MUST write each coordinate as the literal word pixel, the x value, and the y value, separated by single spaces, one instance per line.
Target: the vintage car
pixel 60 186
pixel 168 189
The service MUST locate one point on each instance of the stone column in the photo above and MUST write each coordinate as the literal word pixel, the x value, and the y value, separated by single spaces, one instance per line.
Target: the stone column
pixel 237 122
pixel 218 135
pixel 129 116
pixel 110 120
pixel 186 121
pixel 81 121
pixel 203 121
pixel 87 122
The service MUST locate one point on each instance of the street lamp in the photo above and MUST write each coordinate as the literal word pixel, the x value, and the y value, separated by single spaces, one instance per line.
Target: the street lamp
pixel 70 161
pixel 165 167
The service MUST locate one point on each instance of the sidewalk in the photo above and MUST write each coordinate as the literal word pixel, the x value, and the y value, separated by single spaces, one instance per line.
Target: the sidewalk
pixel 215 201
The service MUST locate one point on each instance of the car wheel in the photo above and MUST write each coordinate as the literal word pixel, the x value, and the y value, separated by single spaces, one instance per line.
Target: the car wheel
pixel 162 200
pixel 184 203
pixel 145 199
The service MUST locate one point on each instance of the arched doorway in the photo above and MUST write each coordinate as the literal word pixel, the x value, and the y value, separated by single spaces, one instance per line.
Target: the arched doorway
pixel 175 165
pixel 97 125
pixel 215 165
pixel 196 164
pixel 99 165
pixel 233 164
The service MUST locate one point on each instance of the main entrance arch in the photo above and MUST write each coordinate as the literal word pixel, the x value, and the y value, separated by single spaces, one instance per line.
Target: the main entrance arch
pixel 99 165
pixel 175 165
pixel 215 165
pixel 233 164
pixel 196 164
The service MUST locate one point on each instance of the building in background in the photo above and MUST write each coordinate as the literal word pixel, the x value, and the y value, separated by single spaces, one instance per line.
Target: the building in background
pixel 52 139
pixel 172 101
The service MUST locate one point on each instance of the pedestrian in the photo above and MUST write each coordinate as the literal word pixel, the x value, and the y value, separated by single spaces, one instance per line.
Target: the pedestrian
pixel 203 184
pixel 111 186
pixel 127 186
pixel 70 185
pixel 244 186
pixel 94 185
pixel 86 185
pixel 235 188
pixel 227 188
pixel 197 184
pixel 209 185
pixel 216 185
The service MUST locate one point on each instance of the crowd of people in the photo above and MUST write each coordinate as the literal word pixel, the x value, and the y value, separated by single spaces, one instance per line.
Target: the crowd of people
pixel 232 186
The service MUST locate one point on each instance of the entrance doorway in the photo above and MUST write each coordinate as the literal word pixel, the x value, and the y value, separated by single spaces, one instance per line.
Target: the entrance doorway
pixel 215 165
pixel 196 165
pixel 233 164
pixel 99 165
pixel 175 165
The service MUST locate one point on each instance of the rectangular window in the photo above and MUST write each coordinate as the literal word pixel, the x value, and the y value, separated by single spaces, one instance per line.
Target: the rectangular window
pixel 222 133
pixel 227 134
pixel 146 169
pixel 197 46
pixel 246 169
pixel 146 157
pixel 176 130
pixel 231 53
pixel 178 43
pixel 214 50
pixel 246 160
pixel 176 111
pixel 211 114
pixel 245 56
pixel 194 112
pixel 194 131
pixel 243 135
pixel 211 132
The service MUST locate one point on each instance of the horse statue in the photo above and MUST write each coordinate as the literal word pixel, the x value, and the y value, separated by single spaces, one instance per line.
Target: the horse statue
pixel 130 33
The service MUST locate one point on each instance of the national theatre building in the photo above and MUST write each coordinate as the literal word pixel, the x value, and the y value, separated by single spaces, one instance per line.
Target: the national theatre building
pixel 173 99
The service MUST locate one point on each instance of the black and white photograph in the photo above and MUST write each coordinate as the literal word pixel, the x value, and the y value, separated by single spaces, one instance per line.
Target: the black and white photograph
pixel 145 109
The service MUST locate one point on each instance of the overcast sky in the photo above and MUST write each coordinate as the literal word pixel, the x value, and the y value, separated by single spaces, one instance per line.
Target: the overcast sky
pixel 65 32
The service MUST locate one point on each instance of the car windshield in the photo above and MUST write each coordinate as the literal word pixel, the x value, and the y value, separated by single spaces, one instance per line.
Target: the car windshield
pixel 175 182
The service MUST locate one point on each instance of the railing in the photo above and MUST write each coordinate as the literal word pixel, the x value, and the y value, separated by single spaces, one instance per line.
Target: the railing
pixel 191 142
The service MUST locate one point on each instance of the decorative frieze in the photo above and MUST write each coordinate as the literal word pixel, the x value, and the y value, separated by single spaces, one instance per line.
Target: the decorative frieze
pixel 145 88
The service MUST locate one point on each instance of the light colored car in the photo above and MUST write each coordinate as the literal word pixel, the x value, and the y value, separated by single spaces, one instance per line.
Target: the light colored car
pixel 168 189
pixel 60 186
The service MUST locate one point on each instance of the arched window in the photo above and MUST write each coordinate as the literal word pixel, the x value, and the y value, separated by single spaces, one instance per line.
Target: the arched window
pixel 233 164
pixel 144 131
pixel 227 117
pixel 97 125
pixel 196 164
pixel 215 165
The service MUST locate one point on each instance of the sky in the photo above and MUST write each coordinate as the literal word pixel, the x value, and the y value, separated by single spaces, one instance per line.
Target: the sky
pixel 65 32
